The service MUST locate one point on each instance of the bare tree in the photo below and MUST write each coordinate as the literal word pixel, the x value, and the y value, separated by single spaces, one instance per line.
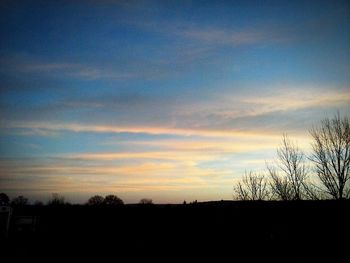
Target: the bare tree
pixel 252 187
pixel 281 187
pixel 331 155
pixel 292 163
pixel 313 192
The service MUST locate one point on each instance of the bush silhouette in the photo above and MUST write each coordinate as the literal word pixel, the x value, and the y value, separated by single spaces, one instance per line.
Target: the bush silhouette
pixel 113 200
pixel 95 200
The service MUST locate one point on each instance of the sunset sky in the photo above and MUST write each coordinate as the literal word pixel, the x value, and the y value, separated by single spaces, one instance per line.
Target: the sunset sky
pixel 168 100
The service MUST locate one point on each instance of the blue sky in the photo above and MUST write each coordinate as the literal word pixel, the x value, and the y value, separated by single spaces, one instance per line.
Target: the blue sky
pixel 169 100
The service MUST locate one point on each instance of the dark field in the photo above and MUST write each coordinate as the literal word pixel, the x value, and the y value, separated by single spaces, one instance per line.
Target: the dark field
pixel 304 231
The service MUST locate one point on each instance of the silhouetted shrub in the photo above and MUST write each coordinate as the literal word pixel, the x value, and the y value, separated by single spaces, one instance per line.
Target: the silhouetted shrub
pixel 113 200
pixel 95 200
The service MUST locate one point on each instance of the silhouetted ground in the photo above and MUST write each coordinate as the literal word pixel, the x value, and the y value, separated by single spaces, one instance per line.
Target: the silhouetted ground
pixel 304 231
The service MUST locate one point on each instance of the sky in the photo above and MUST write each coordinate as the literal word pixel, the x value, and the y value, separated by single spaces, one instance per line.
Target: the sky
pixel 168 100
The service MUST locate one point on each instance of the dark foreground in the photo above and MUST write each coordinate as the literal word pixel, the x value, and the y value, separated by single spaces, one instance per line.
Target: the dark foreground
pixel 307 231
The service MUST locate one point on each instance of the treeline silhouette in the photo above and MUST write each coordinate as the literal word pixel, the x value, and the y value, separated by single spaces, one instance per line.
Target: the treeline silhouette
pixel 59 200
pixel 322 174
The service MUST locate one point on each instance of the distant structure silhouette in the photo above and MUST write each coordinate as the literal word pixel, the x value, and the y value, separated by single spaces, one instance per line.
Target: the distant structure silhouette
pixel 4 199
pixel 19 201
pixel 146 201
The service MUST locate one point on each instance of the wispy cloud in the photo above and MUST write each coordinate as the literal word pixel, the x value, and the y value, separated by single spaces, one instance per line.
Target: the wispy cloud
pixel 240 110
pixel 34 132
pixel 229 115
pixel 292 98
pixel 236 37
pixel 212 34
pixel 200 147
pixel 77 127
pixel 74 70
